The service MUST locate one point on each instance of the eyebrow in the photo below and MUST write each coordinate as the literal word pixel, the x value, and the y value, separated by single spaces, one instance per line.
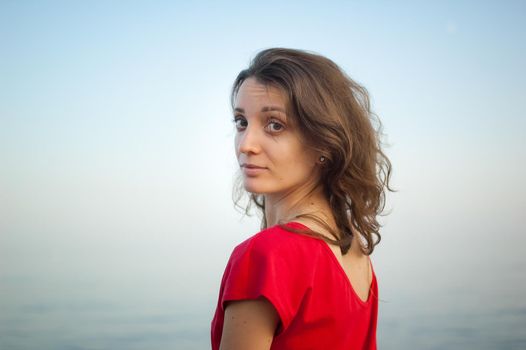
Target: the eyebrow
pixel 264 109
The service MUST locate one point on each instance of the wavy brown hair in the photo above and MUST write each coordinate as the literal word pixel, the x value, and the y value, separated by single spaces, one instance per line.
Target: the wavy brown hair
pixel 334 116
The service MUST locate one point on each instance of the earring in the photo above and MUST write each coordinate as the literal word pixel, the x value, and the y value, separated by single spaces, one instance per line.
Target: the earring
pixel 322 159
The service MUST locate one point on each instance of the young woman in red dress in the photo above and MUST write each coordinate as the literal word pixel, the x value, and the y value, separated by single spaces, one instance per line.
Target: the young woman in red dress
pixel 311 161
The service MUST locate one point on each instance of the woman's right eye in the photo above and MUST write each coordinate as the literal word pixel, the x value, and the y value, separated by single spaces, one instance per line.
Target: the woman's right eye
pixel 240 122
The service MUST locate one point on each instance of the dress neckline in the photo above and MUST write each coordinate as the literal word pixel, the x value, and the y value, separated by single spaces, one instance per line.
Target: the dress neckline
pixel 340 267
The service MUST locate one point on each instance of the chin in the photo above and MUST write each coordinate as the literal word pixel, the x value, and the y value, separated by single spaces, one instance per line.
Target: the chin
pixel 254 188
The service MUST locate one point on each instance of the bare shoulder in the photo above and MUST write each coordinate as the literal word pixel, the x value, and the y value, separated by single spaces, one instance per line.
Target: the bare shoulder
pixel 249 324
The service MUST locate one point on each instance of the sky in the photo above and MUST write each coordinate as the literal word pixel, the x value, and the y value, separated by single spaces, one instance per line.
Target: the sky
pixel 117 158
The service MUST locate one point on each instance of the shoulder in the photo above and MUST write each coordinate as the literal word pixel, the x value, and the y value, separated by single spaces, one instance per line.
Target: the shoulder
pixel 270 262
pixel 279 241
pixel 276 264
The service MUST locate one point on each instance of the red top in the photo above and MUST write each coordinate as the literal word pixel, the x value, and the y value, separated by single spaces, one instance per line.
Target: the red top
pixel 301 277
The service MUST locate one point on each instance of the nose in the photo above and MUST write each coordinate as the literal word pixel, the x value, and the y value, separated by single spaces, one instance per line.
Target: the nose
pixel 248 141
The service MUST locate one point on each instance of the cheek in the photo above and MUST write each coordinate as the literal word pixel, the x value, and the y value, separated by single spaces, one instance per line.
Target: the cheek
pixel 297 163
pixel 236 145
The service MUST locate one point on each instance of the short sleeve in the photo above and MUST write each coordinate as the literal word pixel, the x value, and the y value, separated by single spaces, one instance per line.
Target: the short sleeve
pixel 269 268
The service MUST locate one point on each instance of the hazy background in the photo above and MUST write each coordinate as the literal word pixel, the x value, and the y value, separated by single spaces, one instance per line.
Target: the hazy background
pixel 117 160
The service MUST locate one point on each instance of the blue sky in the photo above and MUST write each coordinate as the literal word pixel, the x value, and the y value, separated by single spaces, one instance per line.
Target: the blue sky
pixel 116 140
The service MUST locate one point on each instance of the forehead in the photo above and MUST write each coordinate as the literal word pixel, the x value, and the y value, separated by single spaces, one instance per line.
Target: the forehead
pixel 252 91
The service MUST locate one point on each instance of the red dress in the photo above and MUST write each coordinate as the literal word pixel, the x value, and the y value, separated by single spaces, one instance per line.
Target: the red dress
pixel 301 277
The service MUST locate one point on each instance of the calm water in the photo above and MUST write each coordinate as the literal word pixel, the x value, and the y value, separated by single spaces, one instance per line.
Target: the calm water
pixel 70 295
pixel 74 321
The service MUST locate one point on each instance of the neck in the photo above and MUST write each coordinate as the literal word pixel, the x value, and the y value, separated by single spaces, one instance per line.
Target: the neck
pixel 286 206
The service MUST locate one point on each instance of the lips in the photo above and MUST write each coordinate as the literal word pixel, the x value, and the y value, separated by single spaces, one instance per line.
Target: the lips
pixel 252 170
pixel 251 166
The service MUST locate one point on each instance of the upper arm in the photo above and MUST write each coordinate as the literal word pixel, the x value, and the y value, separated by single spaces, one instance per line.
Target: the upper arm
pixel 249 324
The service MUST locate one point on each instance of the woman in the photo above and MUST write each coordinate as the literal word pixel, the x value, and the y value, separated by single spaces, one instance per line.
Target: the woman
pixel 312 163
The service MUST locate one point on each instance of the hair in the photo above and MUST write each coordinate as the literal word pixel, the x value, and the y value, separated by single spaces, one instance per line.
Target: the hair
pixel 334 116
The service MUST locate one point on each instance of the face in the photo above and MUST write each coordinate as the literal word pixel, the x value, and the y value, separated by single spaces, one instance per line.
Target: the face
pixel 269 150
